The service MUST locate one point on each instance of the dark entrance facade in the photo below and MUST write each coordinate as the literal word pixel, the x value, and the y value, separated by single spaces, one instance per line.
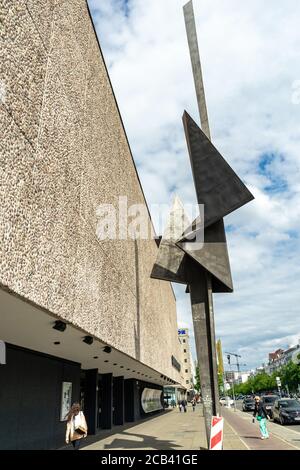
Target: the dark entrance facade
pixel 31 399
pixel 32 394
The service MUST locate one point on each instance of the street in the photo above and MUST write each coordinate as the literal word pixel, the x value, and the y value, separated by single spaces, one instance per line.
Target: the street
pixel 281 437
pixel 294 427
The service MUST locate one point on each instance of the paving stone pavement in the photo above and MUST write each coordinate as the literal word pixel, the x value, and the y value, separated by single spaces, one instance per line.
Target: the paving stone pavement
pixel 169 430
pixel 172 430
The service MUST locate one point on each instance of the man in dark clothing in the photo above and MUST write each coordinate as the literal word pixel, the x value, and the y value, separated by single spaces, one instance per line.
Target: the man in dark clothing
pixel 261 416
pixel 184 405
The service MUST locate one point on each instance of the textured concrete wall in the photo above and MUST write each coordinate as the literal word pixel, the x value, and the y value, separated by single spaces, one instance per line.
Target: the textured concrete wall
pixel 63 152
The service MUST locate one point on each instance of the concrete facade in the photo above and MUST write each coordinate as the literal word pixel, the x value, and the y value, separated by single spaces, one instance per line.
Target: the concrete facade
pixel 63 152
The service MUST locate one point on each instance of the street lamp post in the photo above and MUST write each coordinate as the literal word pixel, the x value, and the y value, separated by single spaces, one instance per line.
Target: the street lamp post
pixel 232 381
pixel 278 381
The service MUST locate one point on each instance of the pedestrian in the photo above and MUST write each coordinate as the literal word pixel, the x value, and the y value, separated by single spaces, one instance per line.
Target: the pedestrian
pixel 76 426
pixel 184 405
pixel 194 403
pixel 173 403
pixel 262 416
pixel 179 406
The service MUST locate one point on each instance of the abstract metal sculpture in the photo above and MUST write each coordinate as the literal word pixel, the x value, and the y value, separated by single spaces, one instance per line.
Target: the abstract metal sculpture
pixel 171 263
pixel 205 269
pixel 217 185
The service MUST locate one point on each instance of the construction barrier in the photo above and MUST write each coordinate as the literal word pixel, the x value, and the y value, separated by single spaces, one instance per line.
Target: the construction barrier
pixel 216 433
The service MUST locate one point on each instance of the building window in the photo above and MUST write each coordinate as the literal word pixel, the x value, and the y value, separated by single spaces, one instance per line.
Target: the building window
pixel 185 360
pixel 184 350
pixel 183 340
pixel 186 371
pixel 187 381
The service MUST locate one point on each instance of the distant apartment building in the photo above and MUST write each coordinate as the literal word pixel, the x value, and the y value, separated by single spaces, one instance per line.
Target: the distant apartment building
pixel 259 370
pixel 282 357
pixel 188 366
pixel 231 376
pixel 236 377
pixel 274 356
pixel 243 377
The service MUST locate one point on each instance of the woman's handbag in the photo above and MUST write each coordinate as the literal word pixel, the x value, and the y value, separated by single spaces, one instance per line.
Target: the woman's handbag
pixel 259 418
pixel 80 430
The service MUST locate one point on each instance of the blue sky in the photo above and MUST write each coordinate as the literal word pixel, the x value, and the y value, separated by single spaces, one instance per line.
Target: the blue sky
pixel 251 71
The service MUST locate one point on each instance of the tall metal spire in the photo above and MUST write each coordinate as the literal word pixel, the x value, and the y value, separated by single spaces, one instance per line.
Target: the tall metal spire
pixel 205 269
pixel 196 65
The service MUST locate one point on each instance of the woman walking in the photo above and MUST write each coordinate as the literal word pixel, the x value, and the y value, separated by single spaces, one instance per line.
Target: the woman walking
pixel 76 426
pixel 194 403
pixel 261 416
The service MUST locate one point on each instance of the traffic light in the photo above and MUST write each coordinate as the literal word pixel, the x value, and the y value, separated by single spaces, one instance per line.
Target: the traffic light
pixel 228 358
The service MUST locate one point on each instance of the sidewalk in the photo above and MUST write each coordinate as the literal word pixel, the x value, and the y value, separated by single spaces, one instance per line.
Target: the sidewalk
pixel 172 430
pixel 167 431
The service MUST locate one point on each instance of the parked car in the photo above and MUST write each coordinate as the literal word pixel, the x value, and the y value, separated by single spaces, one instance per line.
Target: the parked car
pixel 226 401
pixel 268 403
pixel 248 404
pixel 287 411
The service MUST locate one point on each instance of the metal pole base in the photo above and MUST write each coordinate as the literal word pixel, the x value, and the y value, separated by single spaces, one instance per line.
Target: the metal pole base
pixel 202 311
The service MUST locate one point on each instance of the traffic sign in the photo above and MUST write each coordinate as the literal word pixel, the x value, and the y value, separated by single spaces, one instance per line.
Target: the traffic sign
pixel 278 381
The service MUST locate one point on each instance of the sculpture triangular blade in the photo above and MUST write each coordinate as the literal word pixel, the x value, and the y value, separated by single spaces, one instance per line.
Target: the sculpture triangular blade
pixel 171 260
pixel 217 186
pixel 212 256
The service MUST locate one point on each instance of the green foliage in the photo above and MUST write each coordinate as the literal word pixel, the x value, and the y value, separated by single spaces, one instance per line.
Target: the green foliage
pixel 197 380
pixel 289 375
pixel 220 384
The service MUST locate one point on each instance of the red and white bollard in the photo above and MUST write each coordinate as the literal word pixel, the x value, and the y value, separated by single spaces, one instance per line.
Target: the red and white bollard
pixel 216 433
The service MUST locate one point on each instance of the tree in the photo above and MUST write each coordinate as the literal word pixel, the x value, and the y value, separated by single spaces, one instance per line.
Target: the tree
pixel 259 383
pixel 264 382
pixel 221 384
pixel 290 376
pixel 197 380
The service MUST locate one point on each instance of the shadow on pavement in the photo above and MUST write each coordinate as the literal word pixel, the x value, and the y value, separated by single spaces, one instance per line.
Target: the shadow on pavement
pixel 146 442
pixel 103 434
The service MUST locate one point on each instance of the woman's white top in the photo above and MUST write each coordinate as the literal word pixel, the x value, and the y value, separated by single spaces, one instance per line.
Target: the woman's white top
pixel 77 420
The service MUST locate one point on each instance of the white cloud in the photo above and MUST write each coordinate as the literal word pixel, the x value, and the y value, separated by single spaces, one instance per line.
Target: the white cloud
pixel 250 61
